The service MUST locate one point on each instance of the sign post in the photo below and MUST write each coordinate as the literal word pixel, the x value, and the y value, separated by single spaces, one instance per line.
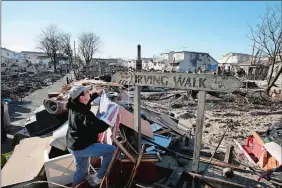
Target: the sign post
pixel 137 109
pixel 199 131
pixel 200 82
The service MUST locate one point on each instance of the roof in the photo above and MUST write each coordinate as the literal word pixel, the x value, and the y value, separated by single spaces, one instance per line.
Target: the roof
pixel 245 63
pixel 233 53
pixel 261 62
pixel 110 59
pixel 43 57
pixel 32 52
pixel 185 52
pixel 8 50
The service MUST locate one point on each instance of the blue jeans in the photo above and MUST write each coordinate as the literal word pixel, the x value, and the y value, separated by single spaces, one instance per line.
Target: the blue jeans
pixel 81 160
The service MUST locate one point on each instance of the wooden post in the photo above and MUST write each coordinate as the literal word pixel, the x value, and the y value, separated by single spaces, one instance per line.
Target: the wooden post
pixel 137 101
pixel 228 154
pixel 199 131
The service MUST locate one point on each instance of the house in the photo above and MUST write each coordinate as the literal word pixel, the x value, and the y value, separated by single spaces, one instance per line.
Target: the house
pixel 183 61
pixel 147 63
pixel 230 59
pixel 102 65
pixel 32 56
pixel 12 61
pixel 8 56
pixel 43 60
pixel 260 69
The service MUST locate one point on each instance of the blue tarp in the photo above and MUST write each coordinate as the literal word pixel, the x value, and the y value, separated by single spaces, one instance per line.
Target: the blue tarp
pixel 212 67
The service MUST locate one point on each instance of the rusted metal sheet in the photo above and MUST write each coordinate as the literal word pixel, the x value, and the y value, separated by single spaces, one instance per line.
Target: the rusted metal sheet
pixel 201 82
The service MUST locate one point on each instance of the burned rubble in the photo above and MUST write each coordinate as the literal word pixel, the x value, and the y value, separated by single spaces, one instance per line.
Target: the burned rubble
pixel 169 122
pixel 18 86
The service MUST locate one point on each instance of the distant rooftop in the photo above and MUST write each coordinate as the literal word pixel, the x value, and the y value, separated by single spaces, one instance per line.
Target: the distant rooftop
pixel 185 52
pixel 32 52
pixel 8 50
pixel 233 53
pixel 105 59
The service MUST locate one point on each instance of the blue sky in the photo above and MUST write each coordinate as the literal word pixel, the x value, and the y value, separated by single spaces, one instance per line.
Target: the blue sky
pixel 213 27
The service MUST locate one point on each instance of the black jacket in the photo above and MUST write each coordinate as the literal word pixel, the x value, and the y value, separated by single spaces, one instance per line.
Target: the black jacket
pixel 84 126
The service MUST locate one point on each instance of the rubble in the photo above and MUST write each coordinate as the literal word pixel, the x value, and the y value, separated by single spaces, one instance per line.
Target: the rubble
pixel 168 123
pixel 18 87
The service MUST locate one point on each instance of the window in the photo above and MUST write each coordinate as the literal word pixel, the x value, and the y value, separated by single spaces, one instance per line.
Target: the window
pixel 7 53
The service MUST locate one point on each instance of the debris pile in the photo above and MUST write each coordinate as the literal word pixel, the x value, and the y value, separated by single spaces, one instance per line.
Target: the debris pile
pixel 19 87
pixel 164 160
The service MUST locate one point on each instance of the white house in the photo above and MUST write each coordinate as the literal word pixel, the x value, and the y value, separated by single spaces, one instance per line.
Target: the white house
pixel 32 56
pixel 146 63
pixel 183 61
pixel 103 64
pixel 231 59
pixel 8 56
pixel 43 60
pixel 12 61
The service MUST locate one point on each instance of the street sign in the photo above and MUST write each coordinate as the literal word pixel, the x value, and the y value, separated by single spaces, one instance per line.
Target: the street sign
pixel 201 82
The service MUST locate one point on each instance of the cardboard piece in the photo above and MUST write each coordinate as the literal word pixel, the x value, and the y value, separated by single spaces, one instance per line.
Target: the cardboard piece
pixel 127 119
pixel 275 150
pixel 26 162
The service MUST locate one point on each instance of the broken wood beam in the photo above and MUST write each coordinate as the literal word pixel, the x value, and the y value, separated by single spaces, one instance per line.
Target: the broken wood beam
pixel 219 182
pixel 105 178
pixel 123 149
pixel 163 131
pixel 136 166
pixel 258 138
pixel 228 154
pixel 131 147
pixel 142 160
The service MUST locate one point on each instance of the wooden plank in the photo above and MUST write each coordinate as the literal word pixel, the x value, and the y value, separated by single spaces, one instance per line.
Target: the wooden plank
pixel 110 167
pixel 199 131
pixel 137 102
pixel 201 82
pixel 162 120
pixel 258 138
pixel 228 154
pixel 245 153
pixel 215 181
pixel 136 166
pixel 123 149
pixel 26 161
pixel 163 131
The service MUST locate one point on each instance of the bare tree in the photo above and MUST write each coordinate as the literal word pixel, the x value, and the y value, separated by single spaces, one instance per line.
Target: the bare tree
pixel 49 41
pixel 66 46
pixel 76 66
pixel 88 44
pixel 267 38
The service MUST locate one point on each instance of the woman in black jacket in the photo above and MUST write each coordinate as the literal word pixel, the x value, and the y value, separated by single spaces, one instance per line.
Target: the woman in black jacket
pixel 84 128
